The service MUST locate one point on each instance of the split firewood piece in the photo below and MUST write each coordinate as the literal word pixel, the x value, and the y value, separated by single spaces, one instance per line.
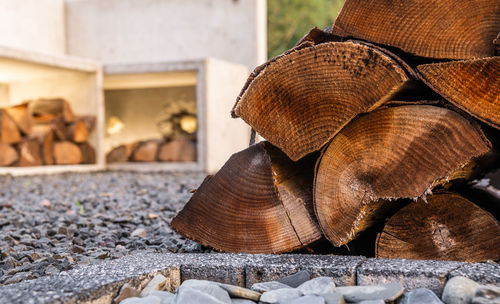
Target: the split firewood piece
pixel 146 151
pixel 77 131
pixel 445 226
pixel 52 107
pixel 121 153
pixel 9 132
pixel 21 117
pixel 8 155
pixel 29 153
pixel 67 153
pixel 391 153
pixel 496 44
pixel 178 150
pixel 88 153
pixel 89 121
pixel 298 101
pixel 59 128
pixel 472 85
pixel 45 136
pixel 259 202
pixel 465 28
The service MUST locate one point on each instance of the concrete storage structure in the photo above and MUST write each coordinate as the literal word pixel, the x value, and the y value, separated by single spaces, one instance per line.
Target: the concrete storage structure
pixel 28 75
pixel 210 83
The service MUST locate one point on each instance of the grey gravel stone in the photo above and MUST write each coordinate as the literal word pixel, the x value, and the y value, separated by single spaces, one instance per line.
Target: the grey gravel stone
pixel 207 287
pixel 420 296
pixel 309 299
pixel 145 300
pixel 482 273
pixel 140 232
pixel 157 283
pixel 165 296
pixel 296 279
pixel 487 295
pixel 387 292
pixel 241 301
pixel 317 286
pixel 459 290
pixel 283 295
pixel 334 298
pixel 267 286
pixel 194 296
pixel 373 302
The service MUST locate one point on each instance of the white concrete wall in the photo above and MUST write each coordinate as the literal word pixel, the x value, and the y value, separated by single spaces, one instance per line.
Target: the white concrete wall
pixel 36 25
pixel 127 31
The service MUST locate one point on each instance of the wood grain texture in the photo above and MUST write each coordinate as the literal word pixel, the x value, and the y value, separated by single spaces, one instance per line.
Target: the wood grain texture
pixel 22 117
pixel 9 132
pixel 298 101
pixel 259 202
pixel 453 29
pixel 390 153
pixel 8 155
pixel 443 227
pixel 67 153
pixel 471 85
pixel 45 136
pixel 29 153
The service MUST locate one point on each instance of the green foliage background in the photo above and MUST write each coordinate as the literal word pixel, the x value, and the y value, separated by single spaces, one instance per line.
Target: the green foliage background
pixel 290 20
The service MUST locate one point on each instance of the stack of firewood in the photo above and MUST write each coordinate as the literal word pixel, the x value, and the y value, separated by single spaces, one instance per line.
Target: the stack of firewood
pixel 375 126
pixel 44 132
pixel 182 149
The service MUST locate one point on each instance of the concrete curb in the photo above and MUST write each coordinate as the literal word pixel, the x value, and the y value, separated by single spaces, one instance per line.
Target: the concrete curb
pixel 100 283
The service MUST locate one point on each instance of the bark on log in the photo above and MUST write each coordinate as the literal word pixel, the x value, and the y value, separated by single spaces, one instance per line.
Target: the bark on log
pixel 443 227
pixel 67 153
pixel 9 132
pixel 472 85
pixel 89 121
pixel 121 153
pixel 259 202
pixel 88 153
pixel 178 150
pixel 146 151
pixel 77 131
pixel 59 128
pixel 21 117
pixel 298 101
pixel 29 153
pixel 391 153
pixel 45 136
pixel 55 107
pixel 8 155
pixel 465 29
pixel 496 44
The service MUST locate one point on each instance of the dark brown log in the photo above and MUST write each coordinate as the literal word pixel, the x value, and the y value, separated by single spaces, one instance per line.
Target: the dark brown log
pixel 59 128
pixel 67 153
pixel 178 150
pixel 45 136
pixel 8 155
pixel 77 131
pixel 9 132
pixel 259 202
pixel 21 117
pixel 89 121
pixel 29 153
pixel 496 44
pixel 300 100
pixel 443 227
pixel 391 153
pixel 472 85
pixel 146 151
pixel 452 29
pixel 88 153
pixel 55 107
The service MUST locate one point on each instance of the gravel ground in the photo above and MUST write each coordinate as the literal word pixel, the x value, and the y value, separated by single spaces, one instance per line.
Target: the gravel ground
pixel 50 224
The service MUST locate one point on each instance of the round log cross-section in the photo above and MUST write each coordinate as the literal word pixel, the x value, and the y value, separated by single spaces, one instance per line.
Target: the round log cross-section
pixel 298 101
pixel 445 226
pixel 387 154
pixel 259 202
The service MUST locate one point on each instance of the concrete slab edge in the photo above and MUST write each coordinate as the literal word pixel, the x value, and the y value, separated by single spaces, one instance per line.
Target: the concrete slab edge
pixel 99 283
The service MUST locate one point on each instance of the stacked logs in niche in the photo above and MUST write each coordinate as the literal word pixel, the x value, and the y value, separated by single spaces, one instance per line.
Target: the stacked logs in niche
pixel 44 132
pixel 379 126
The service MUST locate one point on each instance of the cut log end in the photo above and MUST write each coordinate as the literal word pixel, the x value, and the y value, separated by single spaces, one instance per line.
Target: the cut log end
pixel 443 227
pixel 249 207
pixel 294 106
pixel 67 153
pixel 471 85
pixel 388 154
pixel 8 155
